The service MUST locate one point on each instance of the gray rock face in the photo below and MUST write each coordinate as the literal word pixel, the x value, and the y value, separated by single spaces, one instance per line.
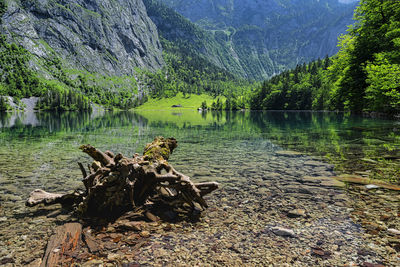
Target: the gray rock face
pixel 110 37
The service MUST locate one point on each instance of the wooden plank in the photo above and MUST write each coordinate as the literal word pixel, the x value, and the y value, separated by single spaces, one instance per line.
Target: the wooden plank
pixel 63 245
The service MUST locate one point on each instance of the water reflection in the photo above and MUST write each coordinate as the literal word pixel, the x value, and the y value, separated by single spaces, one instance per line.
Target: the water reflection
pixel 17 118
pixel 338 136
pixel 42 123
pixel 284 126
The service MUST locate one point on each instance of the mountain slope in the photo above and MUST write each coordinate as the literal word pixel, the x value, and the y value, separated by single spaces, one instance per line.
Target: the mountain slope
pixel 192 39
pixel 103 36
pixel 269 36
pixel 65 51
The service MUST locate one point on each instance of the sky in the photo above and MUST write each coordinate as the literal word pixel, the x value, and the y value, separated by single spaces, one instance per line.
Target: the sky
pixel 347 1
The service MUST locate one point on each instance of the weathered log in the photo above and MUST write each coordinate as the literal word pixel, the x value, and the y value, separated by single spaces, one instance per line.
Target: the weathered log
pixel 116 184
pixel 39 196
pixel 63 245
pixel 160 149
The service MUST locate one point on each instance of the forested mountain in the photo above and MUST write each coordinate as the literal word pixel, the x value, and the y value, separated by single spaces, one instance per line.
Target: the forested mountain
pixel 187 37
pixel 268 36
pixel 363 76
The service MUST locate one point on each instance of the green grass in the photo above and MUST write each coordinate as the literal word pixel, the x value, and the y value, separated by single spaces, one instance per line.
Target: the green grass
pixel 189 102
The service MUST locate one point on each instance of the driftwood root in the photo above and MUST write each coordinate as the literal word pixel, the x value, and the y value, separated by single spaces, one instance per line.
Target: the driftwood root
pixel 115 184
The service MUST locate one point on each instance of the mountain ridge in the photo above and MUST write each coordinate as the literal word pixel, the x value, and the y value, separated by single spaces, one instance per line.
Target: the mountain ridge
pixel 270 36
pixel 188 36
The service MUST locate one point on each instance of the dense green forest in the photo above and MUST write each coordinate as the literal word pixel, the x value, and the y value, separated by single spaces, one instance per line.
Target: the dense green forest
pixel 304 88
pixel 366 71
pixel 363 76
pixel 189 73
pixel 16 79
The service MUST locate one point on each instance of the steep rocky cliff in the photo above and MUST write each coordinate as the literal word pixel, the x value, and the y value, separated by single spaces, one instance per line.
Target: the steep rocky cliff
pixel 108 37
pixel 268 36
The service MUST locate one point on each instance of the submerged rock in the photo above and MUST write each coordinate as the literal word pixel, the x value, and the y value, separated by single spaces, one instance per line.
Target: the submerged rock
pixel 145 234
pixel 371 186
pixel 393 231
pixel 296 213
pixel 283 231
pixel 314 163
pixel 369 160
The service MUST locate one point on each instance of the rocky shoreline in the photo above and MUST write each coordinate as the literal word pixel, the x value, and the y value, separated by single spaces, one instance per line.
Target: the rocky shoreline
pixel 273 209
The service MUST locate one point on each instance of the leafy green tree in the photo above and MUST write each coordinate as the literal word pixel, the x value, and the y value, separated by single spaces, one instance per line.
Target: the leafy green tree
pixel 383 92
pixel 375 32
pixel 204 105
pixel 234 104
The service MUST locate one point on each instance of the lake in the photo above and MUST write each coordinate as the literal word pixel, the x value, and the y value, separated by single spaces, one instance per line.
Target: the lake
pixel 273 168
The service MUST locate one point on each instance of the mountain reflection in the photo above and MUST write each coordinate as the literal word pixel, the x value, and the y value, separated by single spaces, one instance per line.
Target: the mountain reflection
pixel 341 138
pixel 53 122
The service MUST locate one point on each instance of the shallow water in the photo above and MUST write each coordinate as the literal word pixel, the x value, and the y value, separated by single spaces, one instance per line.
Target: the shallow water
pixel 238 150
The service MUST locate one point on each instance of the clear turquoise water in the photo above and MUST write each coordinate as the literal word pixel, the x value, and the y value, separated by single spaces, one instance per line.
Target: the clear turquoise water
pixel 235 149
pixel 41 150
